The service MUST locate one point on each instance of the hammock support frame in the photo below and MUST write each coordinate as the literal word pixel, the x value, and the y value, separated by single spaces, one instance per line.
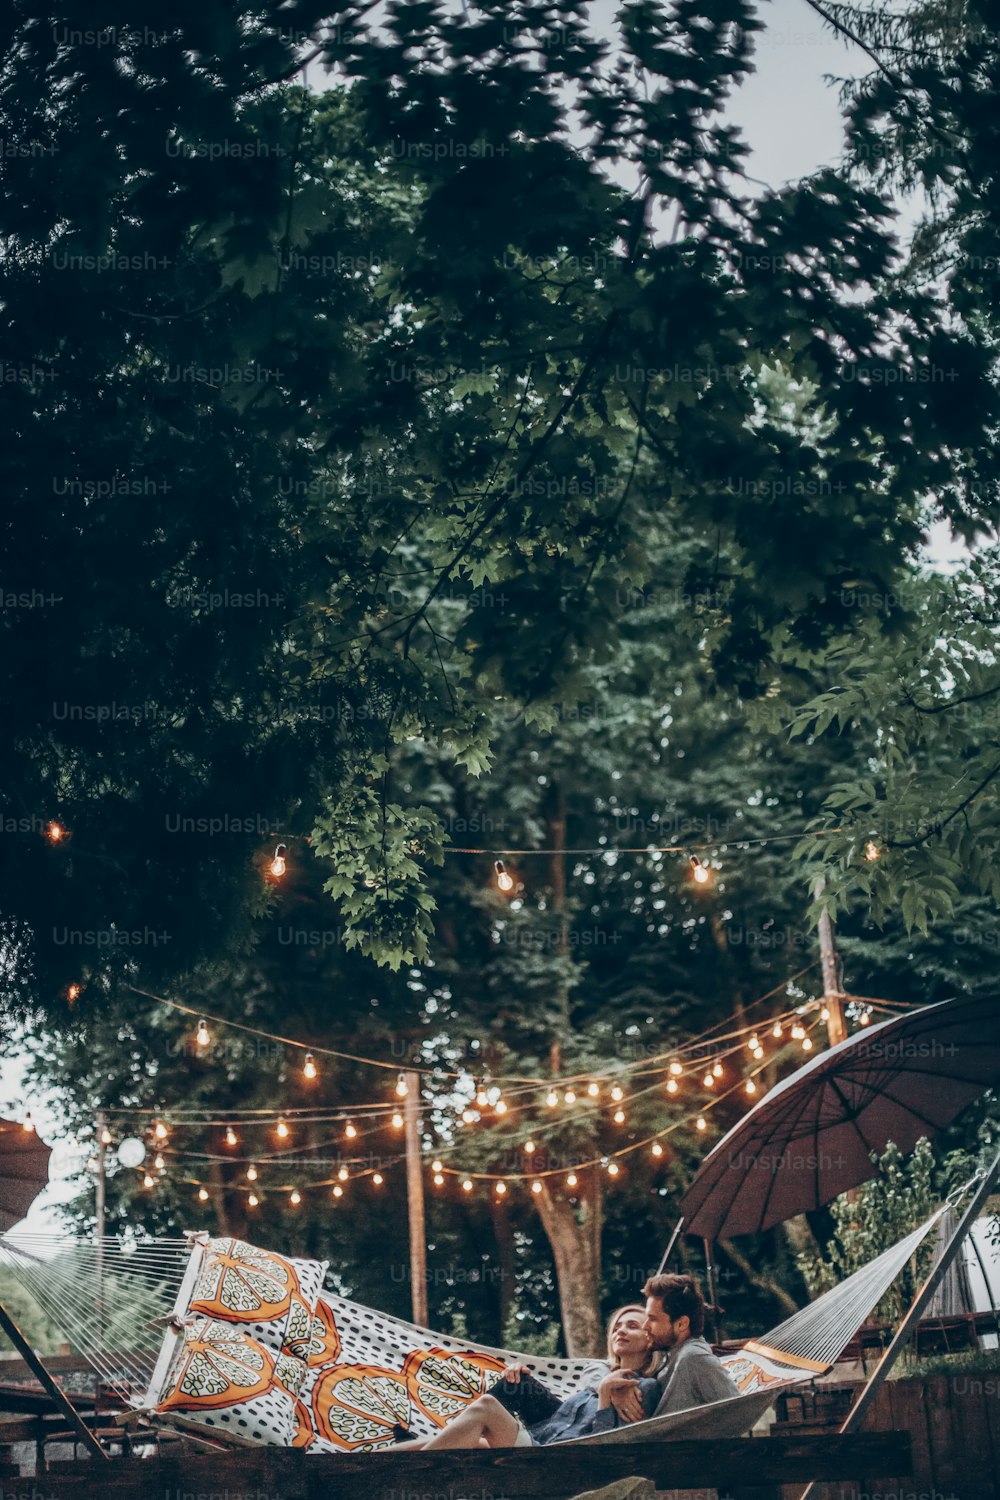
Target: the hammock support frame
pixel 53 1388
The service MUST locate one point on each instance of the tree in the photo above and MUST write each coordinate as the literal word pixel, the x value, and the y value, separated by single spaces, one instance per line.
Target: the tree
pixel 410 327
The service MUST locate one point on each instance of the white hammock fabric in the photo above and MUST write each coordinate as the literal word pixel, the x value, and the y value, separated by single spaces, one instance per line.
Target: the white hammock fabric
pixel 351 1376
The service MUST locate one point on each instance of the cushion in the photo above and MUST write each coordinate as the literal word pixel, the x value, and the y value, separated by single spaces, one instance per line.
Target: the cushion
pixel 238 1283
pixel 221 1378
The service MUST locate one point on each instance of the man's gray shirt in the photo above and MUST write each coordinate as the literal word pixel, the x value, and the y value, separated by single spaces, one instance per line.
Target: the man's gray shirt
pixel 692 1376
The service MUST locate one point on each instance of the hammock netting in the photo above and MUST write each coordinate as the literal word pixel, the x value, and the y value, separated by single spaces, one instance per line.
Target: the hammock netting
pixel 224 1338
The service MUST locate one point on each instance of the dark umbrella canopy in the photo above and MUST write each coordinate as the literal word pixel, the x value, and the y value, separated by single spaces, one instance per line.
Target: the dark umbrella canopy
pixel 812 1137
pixel 24 1171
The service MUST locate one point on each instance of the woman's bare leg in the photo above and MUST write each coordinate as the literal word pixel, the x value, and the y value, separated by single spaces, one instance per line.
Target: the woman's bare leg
pixel 482 1418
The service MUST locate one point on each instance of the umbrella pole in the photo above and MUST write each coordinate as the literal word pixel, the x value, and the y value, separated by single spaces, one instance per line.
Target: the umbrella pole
pixel 712 1297
pixel 669 1250
pixel 918 1305
pixel 42 1375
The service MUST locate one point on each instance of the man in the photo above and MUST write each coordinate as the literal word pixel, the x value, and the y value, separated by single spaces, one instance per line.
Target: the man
pixel 691 1376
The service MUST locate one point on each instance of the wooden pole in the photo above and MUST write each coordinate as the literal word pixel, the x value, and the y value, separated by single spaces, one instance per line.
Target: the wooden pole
pixel 712 1291
pixel 100 1201
pixel 42 1375
pixel 833 994
pixel 415 1200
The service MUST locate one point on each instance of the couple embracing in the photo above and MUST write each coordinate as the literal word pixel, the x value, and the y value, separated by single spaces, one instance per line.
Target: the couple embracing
pixel 658 1362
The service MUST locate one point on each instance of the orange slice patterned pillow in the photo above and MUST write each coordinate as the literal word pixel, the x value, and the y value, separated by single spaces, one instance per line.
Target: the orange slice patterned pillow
pixel 240 1283
pixel 358 1407
pixel 222 1379
pixel 441 1384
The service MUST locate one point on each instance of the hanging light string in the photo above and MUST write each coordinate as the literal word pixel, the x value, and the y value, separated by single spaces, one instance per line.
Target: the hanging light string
pixel 736 843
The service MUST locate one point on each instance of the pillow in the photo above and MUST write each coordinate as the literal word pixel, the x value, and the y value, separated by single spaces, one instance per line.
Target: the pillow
pixel 221 1378
pixel 238 1283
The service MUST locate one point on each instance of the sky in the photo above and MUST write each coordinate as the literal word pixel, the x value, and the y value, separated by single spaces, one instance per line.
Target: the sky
pixel 791 119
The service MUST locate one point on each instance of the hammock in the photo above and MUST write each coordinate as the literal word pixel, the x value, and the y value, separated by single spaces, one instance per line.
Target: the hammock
pixel 221 1337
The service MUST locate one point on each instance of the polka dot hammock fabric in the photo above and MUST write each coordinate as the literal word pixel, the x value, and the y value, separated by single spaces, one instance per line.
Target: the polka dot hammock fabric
pixel 257 1353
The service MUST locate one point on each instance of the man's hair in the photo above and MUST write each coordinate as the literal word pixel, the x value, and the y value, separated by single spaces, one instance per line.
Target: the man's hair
pixel 681 1298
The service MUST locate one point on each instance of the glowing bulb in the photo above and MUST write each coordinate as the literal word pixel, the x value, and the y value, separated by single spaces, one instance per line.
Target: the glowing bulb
pixel 281 1129
pixel 397 1121
pixel 377 1179
pixel 466 1186
pixel 309 1068
pixel 148 1181
pixel 436 1166
pixel 73 993
pixel 700 1123
pixel 593 1089
pixel 500 1107
pixel 807 1045
pixel 619 1117
pixel 872 850
pixel 160 1131
pixel 676 1068
pixel 402 1087
pixel 251 1173
pixel 203 1036
pixel 338 1191
pixel 278 862
pixel 505 881
pixel 758 1053
pixel 252 1200
pixel 824 1014
pixel 231 1138
pixel 552 1098
pixel 776 1029
pixel 570 1096
pixel 55 833
pixel 571 1179
pixel 613 1169
pixel 203 1195
pixel 717 1069
pixel 159 1163
pixel 28 1125
pixel 751 1086
pixel 865 1018
pixel 672 1085
pixel 698 870
pixel 482 1098
pixel 657 1149
pixel 617 1092
pixel 438 1179
pixel 106 1136
pixel 343 1174
pixel 350 1130
pixel 469 1116
pixel 501 1189
pixel 529 1146
pixel 708 1081
pixel 754 1041
pixel 798 1032
pixel 295 1196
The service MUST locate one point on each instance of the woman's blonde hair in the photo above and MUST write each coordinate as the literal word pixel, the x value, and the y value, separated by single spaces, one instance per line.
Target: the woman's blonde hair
pixel 653 1358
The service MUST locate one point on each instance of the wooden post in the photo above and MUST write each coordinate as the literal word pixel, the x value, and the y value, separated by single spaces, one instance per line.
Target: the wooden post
pixel 100 1201
pixel 833 994
pixel 712 1291
pixel 415 1200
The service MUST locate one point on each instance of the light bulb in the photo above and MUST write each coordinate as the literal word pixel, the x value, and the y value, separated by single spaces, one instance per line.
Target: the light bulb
pixel 350 1131
pixel 295 1196
pixel 708 1081
pixel 281 1129
pixel 865 1019
pixel 754 1041
pixel 252 1200
pixel 203 1195
pixel 672 1085
pixel 571 1179
pixel 617 1092
pixel 613 1169
pixel 807 1045
pixel 500 1107
pixel 436 1166
pixel 505 881
pixel 529 1146
pixel 469 1116
pixel 536 1186
pixel 309 1068
pixel 717 1069
pixel 700 1122
pixel 466 1186
pixel 147 1181
pixel 872 850
pixel 676 1068
pixel 278 862
pixel 751 1086
pixel 798 1032
pixel 160 1131
pixel 338 1191
pixel 231 1137
pixel 55 833
pixel 501 1188
pixel 397 1121
pixel 343 1174
pixel 402 1087
pixel 377 1179
pixel 106 1136
pixel 619 1117
pixel 482 1098
pixel 438 1179
pixel 776 1029
pixel 159 1163
pixel 758 1053
pixel 593 1089
pixel 570 1096
pixel 73 993
pixel 203 1036
pixel 252 1173
pixel 698 870
pixel 28 1125
pixel 657 1149
pixel 552 1098
pixel 824 1014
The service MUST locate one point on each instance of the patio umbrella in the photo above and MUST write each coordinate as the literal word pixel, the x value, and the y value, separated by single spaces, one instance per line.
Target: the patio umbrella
pixel 24 1171
pixel 812 1137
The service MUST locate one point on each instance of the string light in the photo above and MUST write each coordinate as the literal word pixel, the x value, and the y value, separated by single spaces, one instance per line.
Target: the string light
pixel 482 1097
pixel 676 1068
pixel 758 1053
pixel 159 1163
pixel 402 1087
pixel 754 1041
pixel 872 850
pixel 28 1124
pixel 865 1018
pixel 824 1014
pixel 350 1130
pixel 469 1117
pixel 708 1081
pixel 501 1189
pixel 438 1179
pixel 466 1186
pixel 807 1044
pixel 231 1137
pixel 377 1179
pixel 536 1186
pixel 252 1200
pixel 278 862
pixel 751 1087
pixel 717 1069
pixel 203 1036
pixel 700 1123
pixel 160 1131
pixel 776 1029
pixel 397 1121
pixel 252 1173
pixel 500 1107
pixel 619 1117
pixel 657 1149
pixel 106 1136
pixel 295 1197
pixel 309 1068
pixel 281 1129
pixel 617 1092
pixel 343 1174
pixel 338 1191
pixel 571 1179
pixel 505 881
pixel 73 993
pixel 798 1032
pixel 613 1169
pixel 672 1085
pixel 593 1089
pixel 203 1195
pixel 551 1098
pixel 436 1166
pixel 528 1147
pixel 700 872
pixel 147 1181
pixel 55 833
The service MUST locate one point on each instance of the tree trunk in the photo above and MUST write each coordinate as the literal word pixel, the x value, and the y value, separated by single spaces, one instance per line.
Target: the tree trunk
pixel 575 1237
pixel 503 1237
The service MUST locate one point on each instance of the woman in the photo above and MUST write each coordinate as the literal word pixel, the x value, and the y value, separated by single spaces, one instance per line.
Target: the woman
pixel 485 1422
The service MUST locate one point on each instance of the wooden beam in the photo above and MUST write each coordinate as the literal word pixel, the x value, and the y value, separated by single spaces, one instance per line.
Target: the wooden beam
pixel 491 1474
pixel 59 1397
